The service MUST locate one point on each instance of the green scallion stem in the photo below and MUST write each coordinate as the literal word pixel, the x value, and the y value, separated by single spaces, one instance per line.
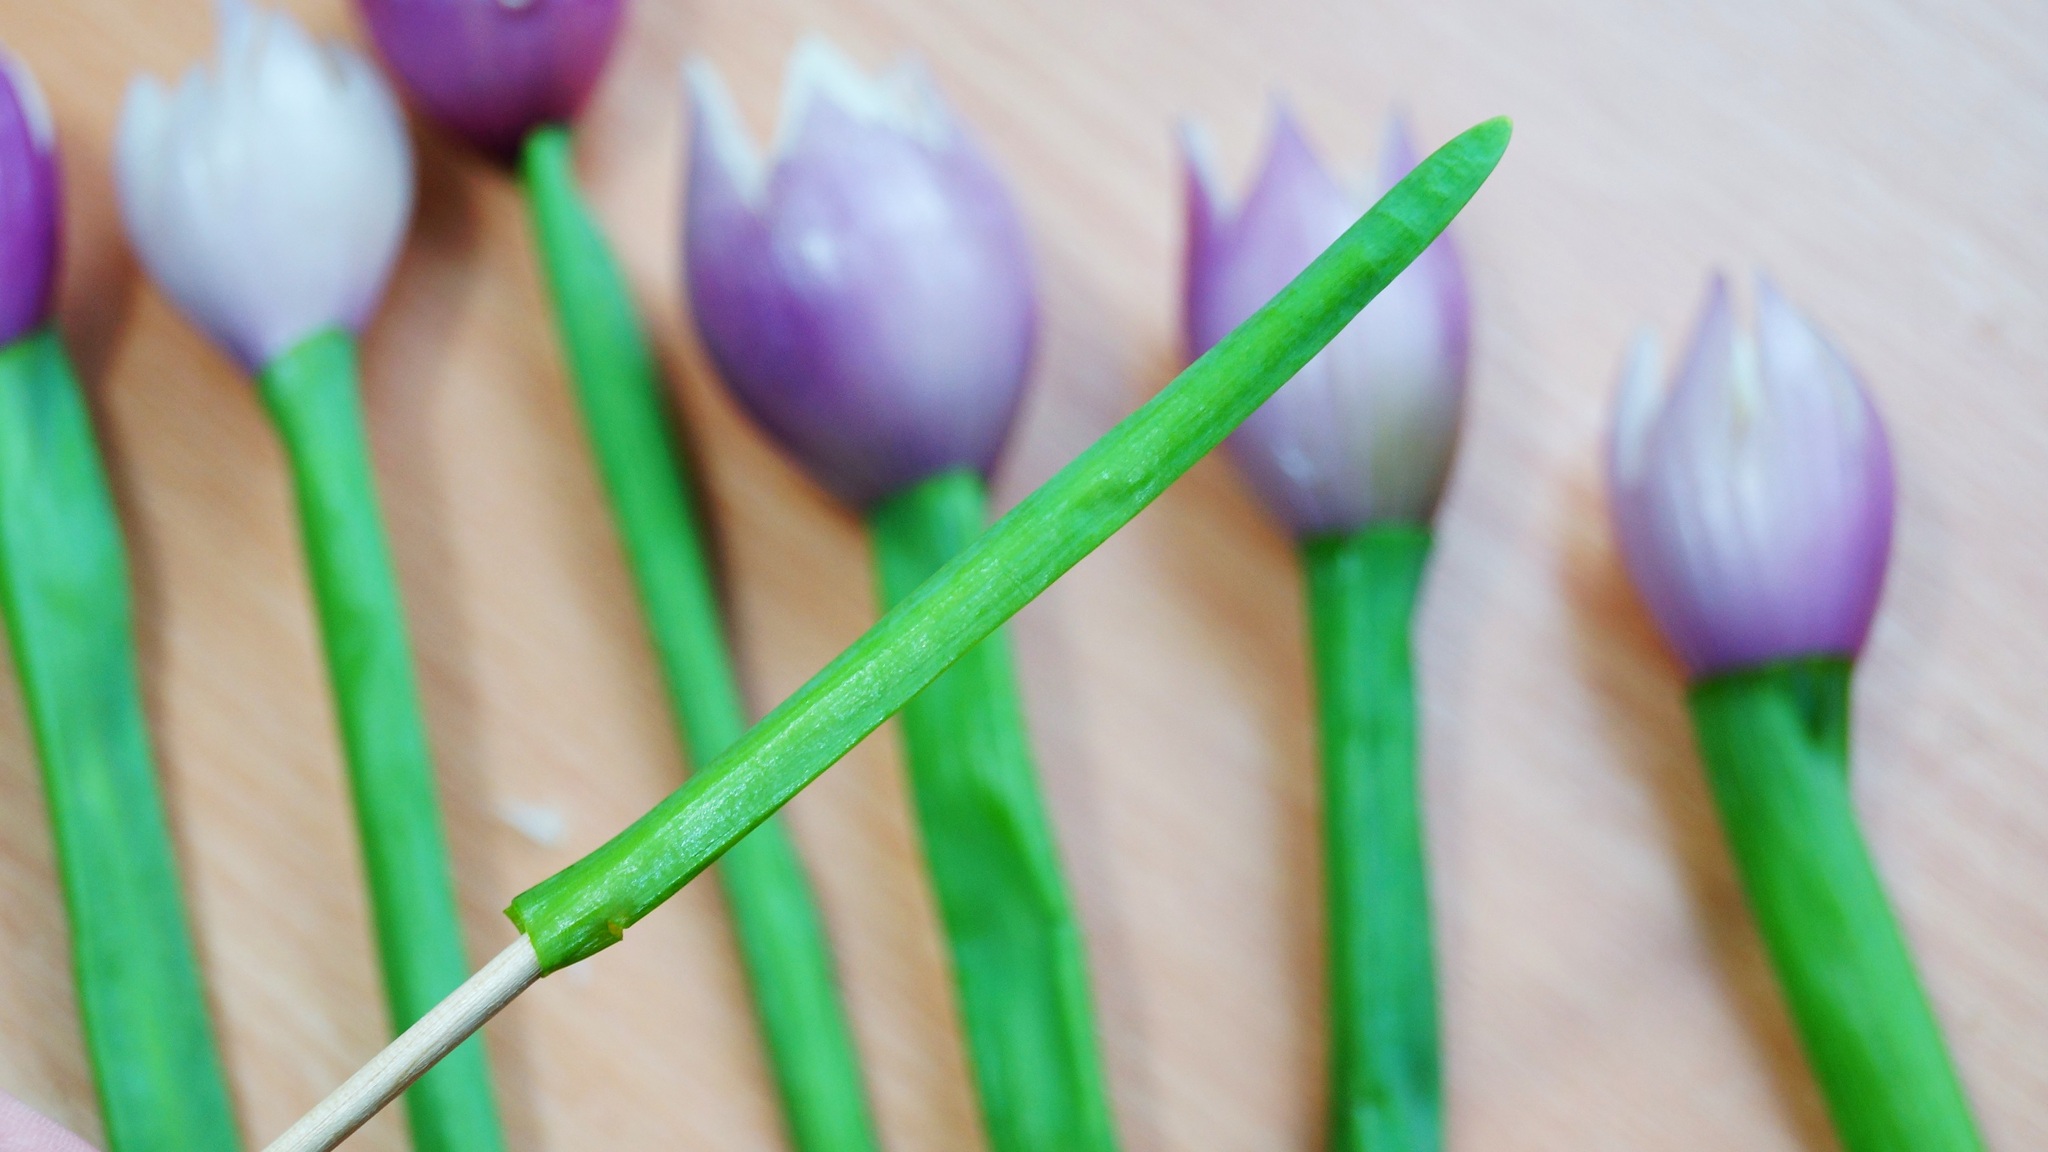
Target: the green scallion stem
pixel 1018 955
pixel 1385 1083
pixel 775 916
pixel 588 906
pixel 64 584
pixel 1776 745
pixel 311 392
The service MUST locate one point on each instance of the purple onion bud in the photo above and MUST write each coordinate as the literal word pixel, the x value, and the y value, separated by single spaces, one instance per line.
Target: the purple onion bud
pixel 1365 433
pixel 1753 499
pixel 867 294
pixel 31 203
pixel 269 195
pixel 492 71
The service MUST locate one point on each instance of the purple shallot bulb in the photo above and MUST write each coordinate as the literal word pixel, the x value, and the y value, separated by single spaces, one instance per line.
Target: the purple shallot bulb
pixel 1753 496
pixel 867 292
pixel 1365 433
pixel 31 203
pixel 491 71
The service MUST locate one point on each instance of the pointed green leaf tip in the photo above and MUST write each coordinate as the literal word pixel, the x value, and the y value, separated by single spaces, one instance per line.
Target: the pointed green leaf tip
pixel 588 906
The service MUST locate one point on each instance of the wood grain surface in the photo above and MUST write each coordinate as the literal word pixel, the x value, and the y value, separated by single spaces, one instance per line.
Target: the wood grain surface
pixel 1886 161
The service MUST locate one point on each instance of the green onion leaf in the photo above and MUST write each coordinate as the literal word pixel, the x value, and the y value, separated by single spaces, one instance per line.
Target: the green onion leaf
pixel 588 906
pixel 64 582
pixel 781 933
pixel 1776 744
pixel 311 392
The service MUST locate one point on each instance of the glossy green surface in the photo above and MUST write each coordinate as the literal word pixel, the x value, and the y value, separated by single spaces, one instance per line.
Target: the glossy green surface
pixel 775 916
pixel 311 392
pixel 1018 958
pixel 588 906
pixel 1386 1092
pixel 64 585
pixel 1776 745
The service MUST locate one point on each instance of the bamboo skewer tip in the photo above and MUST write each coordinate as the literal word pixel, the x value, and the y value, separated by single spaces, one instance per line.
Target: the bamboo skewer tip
pixel 417 1049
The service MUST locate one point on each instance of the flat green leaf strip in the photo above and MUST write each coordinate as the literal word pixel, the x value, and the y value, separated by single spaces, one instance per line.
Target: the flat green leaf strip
pixel 1775 742
pixel 1386 1079
pixel 312 394
pixel 1020 964
pixel 589 905
pixel 64 587
pixel 781 934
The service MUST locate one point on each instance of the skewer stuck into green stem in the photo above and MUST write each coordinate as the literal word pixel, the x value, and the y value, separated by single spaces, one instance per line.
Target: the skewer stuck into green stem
pixel 588 906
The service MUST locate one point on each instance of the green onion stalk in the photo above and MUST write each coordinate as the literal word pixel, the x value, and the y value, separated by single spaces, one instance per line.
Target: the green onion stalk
pixel 269 198
pixel 588 906
pixel 64 585
pixel 1775 742
pixel 1019 959
pixel 312 395
pixel 1386 1083
pixel 1351 456
pixel 781 934
pixel 70 624
pixel 1754 500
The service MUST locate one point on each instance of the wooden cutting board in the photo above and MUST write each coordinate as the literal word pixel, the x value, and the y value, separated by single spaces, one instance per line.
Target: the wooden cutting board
pixel 1603 987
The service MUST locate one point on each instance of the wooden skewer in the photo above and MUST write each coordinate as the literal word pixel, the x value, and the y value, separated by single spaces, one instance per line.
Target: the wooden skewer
pixel 417 1049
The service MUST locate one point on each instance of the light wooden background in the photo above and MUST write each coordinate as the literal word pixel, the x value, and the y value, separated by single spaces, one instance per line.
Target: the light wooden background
pixel 1887 161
